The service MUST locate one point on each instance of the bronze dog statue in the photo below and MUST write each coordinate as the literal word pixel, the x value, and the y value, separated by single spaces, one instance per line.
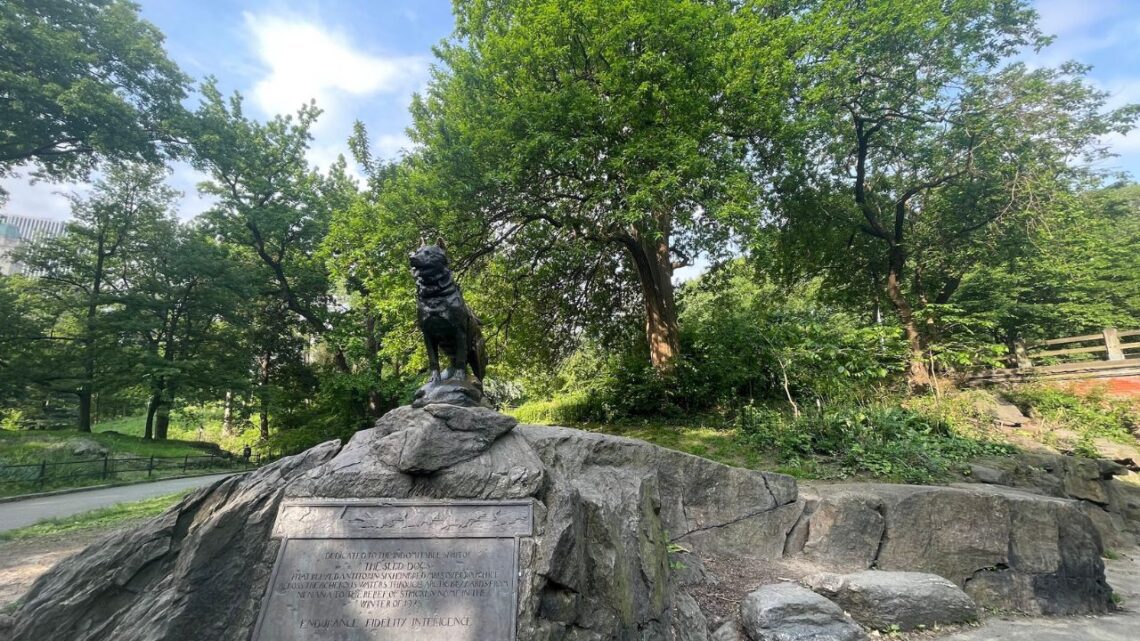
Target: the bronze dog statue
pixel 446 323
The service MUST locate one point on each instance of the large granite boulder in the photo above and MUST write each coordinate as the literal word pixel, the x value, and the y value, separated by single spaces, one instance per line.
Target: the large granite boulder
pixel 182 576
pixel 606 511
pixel 789 612
pixel 896 600
pixel 1008 549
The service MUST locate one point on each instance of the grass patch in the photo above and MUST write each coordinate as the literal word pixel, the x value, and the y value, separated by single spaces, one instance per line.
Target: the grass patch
pixel 193 424
pixel 923 441
pixel 1087 416
pixel 53 446
pixel 96 519
pixel 72 459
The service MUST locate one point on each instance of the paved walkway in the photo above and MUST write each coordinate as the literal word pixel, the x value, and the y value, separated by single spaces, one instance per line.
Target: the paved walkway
pixel 1124 577
pixel 18 514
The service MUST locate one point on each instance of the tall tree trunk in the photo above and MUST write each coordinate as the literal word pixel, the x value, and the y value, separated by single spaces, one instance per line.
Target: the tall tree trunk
pixel 228 413
pixel 162 421
pixel 918 376
pixel 655 274
pixel 85 395
pixel 263 418
pixel 372 349
pixel 264 396
pixel 151 409
pixel 86 388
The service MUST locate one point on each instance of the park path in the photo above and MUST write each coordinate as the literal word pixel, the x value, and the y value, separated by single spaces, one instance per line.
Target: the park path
pixel 18 514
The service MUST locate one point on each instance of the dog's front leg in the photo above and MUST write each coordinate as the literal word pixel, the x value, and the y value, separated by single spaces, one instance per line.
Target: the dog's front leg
pixel 433 358
pixel 459 357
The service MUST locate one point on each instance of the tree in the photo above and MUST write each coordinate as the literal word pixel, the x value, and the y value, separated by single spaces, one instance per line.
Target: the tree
pixel 84 271
pixel 270 202
pixel 83 80
pixel 585 142
pixel 184 295
pixel 1076 275
pixel 920 145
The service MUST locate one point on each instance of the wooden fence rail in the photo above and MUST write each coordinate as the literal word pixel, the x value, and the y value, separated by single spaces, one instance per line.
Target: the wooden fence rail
pixel 1108 342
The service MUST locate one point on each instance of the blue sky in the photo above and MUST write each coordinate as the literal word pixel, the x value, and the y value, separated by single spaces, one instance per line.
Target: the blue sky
pixel 363 59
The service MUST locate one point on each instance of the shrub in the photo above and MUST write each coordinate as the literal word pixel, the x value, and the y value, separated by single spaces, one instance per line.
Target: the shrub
pixel 884 441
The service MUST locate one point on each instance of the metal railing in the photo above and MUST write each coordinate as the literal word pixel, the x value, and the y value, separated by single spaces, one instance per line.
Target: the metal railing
pixel 45 473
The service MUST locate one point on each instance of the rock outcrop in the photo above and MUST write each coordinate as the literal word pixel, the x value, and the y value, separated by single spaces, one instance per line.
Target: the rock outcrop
pixel 181 576
pixel 1113 505
pixel 624 543
pixel 896 600
pixel 1008 549
pixel 606 511
pixel 788 612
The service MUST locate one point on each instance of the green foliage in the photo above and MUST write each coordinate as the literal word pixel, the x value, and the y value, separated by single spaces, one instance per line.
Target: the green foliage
pixel 1076 273
pixel 884 441
pixel 910 160
pixel 747 340
pixel 83 80
pixel 1091 415
pixel 584 145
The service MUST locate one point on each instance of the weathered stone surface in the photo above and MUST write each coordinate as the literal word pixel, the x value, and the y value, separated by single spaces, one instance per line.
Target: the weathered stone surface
pixel 1082 480
pixel 183 575
pixel 454 392
pixel 908 600
pixel 688 622
pixel 948 532
pixel 845 530
pixel 1112 527
pixel 702 502
pixel 789 612
pixel 1008 549
pixel 1124 501
pixel 86 447
pixel 987 474
pixel 729 631
pixel 421 441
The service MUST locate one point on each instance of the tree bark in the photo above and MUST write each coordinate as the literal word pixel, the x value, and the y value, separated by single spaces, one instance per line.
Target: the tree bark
pixel 372 349
pixel 162 422
pixel 655 275
pixel 151 409
pixel 228 413
pixel 263 413
pixel 918 376
pixel 85 407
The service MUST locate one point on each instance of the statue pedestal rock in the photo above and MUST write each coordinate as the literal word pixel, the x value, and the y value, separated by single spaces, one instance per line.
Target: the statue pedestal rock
pixel 459 392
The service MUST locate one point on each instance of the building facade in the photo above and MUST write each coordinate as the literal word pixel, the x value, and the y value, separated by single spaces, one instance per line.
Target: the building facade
pixel 18 230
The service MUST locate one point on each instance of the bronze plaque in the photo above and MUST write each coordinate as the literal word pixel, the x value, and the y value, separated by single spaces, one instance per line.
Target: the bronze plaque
pixel 368 571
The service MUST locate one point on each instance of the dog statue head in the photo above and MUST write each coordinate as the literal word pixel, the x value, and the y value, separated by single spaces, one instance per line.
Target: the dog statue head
pixel 429 260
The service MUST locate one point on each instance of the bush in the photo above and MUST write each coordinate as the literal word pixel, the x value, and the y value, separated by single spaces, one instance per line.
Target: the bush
pixel 746 340
pixel 1090 415
pixel 888 442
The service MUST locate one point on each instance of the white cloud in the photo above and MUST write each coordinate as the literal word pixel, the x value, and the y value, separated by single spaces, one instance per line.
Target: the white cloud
pixel 1065 17
pixel 392 146
pixel 307 61
pixel 41 199
pixel 1084 30
pixel 44 199
pixel 1123 144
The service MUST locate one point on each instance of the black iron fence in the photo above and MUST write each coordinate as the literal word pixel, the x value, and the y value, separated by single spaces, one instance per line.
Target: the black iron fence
pixel 47 474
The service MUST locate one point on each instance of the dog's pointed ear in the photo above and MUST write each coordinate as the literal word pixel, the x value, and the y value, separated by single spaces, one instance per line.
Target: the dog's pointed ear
pixel 439 243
